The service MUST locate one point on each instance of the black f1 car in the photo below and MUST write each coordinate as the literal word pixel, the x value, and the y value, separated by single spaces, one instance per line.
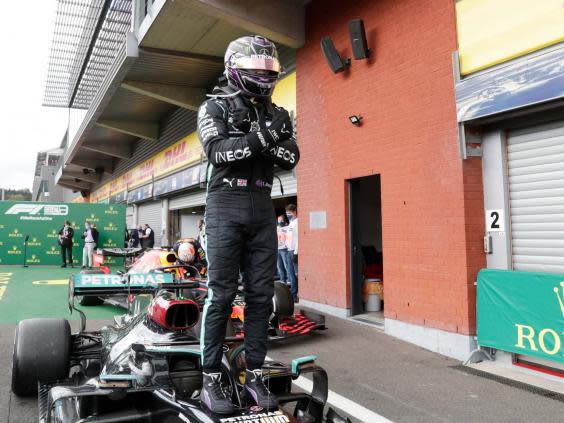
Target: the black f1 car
pixel 284 321
pixel 146 366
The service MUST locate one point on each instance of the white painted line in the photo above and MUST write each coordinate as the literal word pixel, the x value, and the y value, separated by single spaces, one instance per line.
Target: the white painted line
pixel 351 408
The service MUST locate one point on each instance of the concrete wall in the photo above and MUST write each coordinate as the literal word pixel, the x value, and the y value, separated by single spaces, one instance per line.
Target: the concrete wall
pixel 56 192
pixel 432 202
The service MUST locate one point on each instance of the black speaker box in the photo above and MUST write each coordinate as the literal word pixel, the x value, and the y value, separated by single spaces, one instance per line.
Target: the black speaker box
pixel 334 60
pixel 358 39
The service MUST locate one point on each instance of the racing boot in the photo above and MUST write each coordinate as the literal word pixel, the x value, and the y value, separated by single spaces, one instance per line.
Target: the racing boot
pixel 214 396
pixel 256 389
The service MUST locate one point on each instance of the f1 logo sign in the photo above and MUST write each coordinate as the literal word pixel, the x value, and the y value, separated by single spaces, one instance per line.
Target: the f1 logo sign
pixel 35 209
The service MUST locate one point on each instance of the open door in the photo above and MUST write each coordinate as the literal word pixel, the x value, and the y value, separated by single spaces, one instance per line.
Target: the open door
pixel 366 258
pixel 356 277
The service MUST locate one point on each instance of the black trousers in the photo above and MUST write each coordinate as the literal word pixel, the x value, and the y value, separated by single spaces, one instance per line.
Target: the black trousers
pixel 241 233
pixel 66 250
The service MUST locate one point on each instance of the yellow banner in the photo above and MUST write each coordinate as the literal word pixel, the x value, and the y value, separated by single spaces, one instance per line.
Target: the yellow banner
pixel 183 153
pixel 494 31
pixel 285 93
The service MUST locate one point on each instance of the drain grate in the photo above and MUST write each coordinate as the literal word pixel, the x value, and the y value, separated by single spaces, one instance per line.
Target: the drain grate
pixel 369 322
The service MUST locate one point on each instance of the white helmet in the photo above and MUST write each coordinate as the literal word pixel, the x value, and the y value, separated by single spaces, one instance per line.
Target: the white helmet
pixel 186 252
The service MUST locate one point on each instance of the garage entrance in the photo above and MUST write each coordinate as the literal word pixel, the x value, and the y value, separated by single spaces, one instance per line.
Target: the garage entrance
pixel 365 226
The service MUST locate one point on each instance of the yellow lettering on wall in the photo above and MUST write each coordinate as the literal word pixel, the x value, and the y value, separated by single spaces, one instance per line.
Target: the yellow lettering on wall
pixel 556 338
pixel 522 336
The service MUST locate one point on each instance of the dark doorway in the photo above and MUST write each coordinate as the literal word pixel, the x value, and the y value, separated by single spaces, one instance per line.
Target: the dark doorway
pixel 365 226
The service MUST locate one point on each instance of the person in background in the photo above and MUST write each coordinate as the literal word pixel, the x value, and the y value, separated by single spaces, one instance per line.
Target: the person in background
pixel 202 233
pixel 65 241
pixel 127 238
pixel 133 238
pixel 292 246
pixel 148 237
pixel 90 237
pixel 282 250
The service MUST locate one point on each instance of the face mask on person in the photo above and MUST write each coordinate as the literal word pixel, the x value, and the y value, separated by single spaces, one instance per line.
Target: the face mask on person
pixel 290 216
pixel 280 223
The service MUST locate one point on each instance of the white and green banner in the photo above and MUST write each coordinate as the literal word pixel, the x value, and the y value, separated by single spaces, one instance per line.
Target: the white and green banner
pixel 41 222
pixel 522 312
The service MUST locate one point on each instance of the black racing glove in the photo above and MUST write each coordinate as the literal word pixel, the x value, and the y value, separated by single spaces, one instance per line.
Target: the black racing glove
pixel 280 129
pixel 239 118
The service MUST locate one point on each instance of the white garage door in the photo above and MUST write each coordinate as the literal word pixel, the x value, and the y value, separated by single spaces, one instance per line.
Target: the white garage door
pixel 194 199
pixel 129 217
pixel 289 184
pixel 535 160
pixel 150 213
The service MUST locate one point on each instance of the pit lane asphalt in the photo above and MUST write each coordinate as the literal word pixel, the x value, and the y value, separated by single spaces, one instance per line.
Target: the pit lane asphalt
pixel 405 383
pixel 397 380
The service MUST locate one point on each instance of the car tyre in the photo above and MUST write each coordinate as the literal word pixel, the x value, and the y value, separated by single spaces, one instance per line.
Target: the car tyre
pixel 282 301
pixel 41 354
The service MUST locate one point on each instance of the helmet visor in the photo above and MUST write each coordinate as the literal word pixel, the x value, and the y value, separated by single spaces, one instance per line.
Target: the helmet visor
pixel 258 62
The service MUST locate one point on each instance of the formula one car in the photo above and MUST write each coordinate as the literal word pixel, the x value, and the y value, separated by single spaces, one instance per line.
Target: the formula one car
pixel 146 366
pixel 284 322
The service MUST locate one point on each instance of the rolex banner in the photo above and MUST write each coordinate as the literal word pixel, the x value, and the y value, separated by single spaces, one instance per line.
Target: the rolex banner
pixel 41 223
pixel 522 312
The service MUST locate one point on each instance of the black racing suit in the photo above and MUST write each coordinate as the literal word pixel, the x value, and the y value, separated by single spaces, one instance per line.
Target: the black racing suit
pixel 240 221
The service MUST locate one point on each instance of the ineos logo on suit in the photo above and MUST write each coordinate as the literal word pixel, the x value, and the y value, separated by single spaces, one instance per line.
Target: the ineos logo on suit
pixel 231 156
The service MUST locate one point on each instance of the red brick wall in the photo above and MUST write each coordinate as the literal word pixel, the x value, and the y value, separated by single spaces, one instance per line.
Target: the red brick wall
pixel 432 207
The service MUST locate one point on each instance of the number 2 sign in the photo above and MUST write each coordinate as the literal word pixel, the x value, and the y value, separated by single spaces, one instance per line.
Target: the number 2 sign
pixel 495 220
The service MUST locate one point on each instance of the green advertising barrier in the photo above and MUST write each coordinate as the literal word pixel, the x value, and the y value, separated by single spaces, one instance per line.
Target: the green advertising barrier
pixel 42 222
pixel 521 312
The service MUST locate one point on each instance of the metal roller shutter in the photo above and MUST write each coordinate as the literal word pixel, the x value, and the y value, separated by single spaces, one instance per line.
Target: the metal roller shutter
pixel 535 160
pixel 129 221
pixel 288 182
pixel 150 213
pixel 187 201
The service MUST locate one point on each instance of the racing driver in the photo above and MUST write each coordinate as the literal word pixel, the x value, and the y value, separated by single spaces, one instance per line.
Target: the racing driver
pixel 189 251
pixel 243 135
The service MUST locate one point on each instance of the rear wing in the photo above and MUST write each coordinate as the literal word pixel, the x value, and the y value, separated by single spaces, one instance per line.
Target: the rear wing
pixel 97 285
pixel 101 285
pixel 115 285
